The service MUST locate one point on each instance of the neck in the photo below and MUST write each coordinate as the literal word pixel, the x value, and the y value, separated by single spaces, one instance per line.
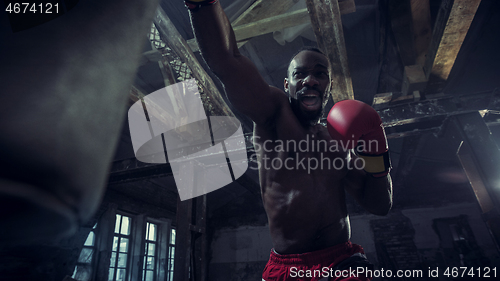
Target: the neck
pixel 308 124
pixel 305 120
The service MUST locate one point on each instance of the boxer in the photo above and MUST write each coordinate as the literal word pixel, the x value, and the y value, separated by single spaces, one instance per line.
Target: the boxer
pixel 303 187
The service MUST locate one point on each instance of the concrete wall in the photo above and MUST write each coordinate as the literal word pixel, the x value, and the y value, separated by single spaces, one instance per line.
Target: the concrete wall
pixel 240 253
pixel 402 240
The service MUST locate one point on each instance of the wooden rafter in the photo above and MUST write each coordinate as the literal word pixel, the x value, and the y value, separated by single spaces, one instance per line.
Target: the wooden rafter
pixel 275 23
pixel 402 28
pixel 422 28
pixel 260 18
pixel 262 9
pixel 169 79
pixel 268 25
pixel 169 33
pixel 327 26
pixel 479 156
pixel 411 25
pixel 466 157
pixel 452 24
pixel 412 28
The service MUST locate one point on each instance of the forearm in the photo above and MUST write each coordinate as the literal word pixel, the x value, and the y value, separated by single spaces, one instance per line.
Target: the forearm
pixel 246 89
pixel 377 194
pixel 374 194
pixel 215 36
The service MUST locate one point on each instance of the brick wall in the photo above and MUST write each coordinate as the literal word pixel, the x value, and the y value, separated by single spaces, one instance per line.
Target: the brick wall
pixel 394 241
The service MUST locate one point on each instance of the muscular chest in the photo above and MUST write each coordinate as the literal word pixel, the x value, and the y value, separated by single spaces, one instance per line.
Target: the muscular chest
pixel 299 170
pixel 309 147
pixel 308 155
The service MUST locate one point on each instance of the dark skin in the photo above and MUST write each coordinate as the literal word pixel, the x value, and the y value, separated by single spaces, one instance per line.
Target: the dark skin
pixel 306 207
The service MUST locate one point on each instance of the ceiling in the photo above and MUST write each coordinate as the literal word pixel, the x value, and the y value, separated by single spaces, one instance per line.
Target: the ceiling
pixel 426 170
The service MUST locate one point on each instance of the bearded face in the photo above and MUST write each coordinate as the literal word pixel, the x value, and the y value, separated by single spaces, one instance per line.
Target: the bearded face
pixel 307 82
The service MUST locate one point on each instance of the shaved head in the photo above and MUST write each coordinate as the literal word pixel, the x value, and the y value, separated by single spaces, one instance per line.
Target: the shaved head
pixel 303 49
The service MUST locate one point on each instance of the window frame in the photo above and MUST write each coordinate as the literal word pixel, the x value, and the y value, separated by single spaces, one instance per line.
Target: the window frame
pixel 104 237
pixel 145 243
pixel 130 245
pixel 169 274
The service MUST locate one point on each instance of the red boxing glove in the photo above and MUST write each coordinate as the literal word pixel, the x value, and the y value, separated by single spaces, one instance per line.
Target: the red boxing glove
pixel 356 124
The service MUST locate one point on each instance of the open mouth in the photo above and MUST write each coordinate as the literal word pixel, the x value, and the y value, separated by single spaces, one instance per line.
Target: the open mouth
pixel 310 101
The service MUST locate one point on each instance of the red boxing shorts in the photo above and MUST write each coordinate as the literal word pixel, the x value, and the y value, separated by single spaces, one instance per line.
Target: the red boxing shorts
pixel 345 262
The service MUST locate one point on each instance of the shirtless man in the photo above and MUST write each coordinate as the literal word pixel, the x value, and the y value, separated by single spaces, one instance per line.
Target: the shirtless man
pixel 306 206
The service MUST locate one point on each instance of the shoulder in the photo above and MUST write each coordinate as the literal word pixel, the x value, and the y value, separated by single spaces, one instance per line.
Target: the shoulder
pixel 279 96
pixel 280 99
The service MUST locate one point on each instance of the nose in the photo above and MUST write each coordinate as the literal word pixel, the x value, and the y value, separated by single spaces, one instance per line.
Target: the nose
pixel 310 81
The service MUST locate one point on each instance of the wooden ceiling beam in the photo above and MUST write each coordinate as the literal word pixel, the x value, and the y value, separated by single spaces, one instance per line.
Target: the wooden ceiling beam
pixel 412 28
pixel 327 26
pixel 245 29
pixel 174 40
pixel 437 106
pixel 411 25
pixel 259 10
pixel 451 27
pixel 268 25
pixel 422 28
pixel 402 28
pixel 415 80
pixel 269 8
pixel 275 23
pixel 263 9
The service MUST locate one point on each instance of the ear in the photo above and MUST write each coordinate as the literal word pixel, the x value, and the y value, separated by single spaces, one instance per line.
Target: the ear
pixel 285 85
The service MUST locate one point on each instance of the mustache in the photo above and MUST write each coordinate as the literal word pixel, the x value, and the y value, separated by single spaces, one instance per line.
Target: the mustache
pixel 306 88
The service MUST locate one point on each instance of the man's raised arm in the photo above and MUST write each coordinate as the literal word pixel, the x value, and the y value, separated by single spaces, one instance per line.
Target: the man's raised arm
pixel 245 87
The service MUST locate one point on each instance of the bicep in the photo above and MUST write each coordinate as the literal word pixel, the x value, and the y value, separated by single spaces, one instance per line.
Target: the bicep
pixel 247 90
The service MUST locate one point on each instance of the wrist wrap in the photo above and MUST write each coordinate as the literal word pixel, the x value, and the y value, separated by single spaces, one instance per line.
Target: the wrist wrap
pixel 376 165
pixel 197 4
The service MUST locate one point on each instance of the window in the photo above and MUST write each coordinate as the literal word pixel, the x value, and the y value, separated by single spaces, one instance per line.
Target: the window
pixel 138 248
pixel 171 252
pixel 83 269
pixel 119 254
pixel 149 263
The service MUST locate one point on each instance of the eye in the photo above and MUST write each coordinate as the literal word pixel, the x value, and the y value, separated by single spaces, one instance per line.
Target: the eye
pixel 298 74
pixel 322 74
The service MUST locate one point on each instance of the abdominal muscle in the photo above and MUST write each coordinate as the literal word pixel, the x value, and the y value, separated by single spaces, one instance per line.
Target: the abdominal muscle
pixel 306 209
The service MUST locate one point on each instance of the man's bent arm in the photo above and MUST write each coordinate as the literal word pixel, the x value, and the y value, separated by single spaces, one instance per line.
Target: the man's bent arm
pixel 245 87
pixel 374 194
